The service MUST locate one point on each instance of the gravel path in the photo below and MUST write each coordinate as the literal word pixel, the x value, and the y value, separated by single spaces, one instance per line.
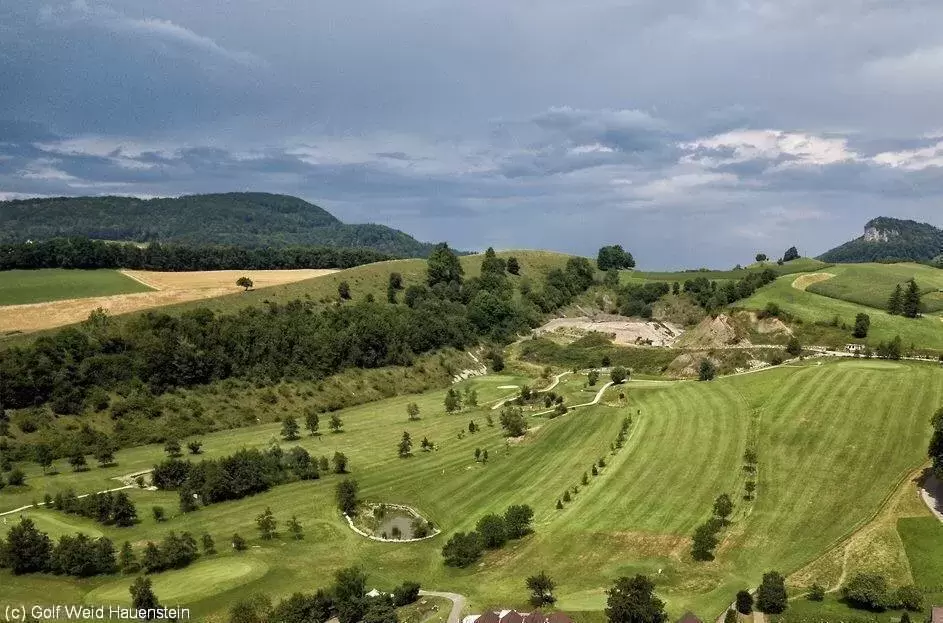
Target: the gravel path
pixel 458 603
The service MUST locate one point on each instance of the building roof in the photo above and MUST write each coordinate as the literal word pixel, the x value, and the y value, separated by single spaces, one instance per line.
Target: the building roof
pixel 689 617
pixel 535 617
pixel 488 617
pixel 937 615
pixel 558 617
pixel 512 617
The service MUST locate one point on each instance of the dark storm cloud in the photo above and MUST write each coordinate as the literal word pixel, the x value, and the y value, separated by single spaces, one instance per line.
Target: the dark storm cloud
pixel 689 131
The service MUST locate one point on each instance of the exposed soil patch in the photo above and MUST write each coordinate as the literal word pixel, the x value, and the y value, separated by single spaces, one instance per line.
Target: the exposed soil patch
pixel 714 333
pixel 804 281
pixel 625 331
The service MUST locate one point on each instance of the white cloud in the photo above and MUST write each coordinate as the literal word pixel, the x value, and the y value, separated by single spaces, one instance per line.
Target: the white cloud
pixel 913 160
pixel 801 149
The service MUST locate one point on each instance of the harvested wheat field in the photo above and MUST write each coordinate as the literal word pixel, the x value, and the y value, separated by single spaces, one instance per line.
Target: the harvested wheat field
pixel 168 288
pixel 804 281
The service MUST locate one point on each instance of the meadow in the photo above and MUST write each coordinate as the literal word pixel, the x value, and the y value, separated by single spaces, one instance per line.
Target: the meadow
pixel 872 284
pixel 22 287
pixel 801 265
pixel 925 332
pixel 834 440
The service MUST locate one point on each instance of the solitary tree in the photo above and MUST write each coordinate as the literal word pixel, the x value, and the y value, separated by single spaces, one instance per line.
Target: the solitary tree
pixel 245 283
pixel 541 590
pixel 195 446
pixel 347 496
pixel 405 445
pixel 343 290
pixel 172 448
pixel 127 561
pixel 862 325
pixel 707 370
pixel 294 527
pixel 238 543
pixel 143 598
pixel 453 401
pixel 209 547
pixel 105 453
pixel 633 600
pixel 43 455
pixel 396 281
pixel 290 429
pixel 78 462
pixel 336 424
pixel 761 257
pixel 312 422
pixel 592 377
pixel 704 542
pixel 744 602
pixel 791 254
pixel 412 410
pixel 340 463
pixel 771 597
pixel 793 347
pixel 267 524
pixel 619 374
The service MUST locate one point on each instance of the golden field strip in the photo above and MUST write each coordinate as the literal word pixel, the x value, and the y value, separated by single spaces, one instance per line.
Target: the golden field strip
pixel 167 288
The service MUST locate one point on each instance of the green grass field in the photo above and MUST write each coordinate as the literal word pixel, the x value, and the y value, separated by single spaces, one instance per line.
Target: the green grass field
pixel 872 284
pixel 801 265
pixel 18 287
pixel 834 440
pixel 924 333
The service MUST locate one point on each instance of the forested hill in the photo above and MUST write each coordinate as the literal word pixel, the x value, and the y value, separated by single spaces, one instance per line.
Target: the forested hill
pixel 238 219
pixel 889 239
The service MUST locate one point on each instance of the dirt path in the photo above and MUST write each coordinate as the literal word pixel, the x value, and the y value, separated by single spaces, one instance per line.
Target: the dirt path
pixel 804 281
pixel 458 603
pixel 585 404
pixel 556 381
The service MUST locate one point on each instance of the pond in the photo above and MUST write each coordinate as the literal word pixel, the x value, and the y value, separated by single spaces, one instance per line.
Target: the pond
pixel 392 522
pixel 395 524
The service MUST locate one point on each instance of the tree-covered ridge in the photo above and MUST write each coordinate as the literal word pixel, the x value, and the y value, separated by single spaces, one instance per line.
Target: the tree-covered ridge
pixel 889 239
pixel 243 219
pixel 84 253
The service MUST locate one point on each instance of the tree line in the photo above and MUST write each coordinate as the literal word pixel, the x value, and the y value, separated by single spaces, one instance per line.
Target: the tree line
pixel 491 532
pixel 110 508
pixel 85 253
pixel 29 550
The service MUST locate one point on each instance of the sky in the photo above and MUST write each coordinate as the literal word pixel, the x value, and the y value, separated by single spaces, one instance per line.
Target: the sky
pixel 692 132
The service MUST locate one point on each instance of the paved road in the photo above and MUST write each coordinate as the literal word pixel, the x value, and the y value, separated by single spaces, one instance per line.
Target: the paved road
pixel 458 603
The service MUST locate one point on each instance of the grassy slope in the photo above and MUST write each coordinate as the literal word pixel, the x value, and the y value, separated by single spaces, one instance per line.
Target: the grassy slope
pixel 19 287
pixel 857 427
pixel 872 284
pixel 926 332
pixel 801 265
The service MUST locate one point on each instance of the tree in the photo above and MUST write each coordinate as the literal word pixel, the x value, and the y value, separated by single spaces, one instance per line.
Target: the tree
pixel 771 597
pixel 731 616
pixel 142 595
pixel 791 254
pixel 816 592
pixel 614 257
pixel 517 520
pixel 380 610
pixel 105 453
pixel 793 347
pixel 195 447
pixel 462 549
pixel 396 281
pixel 633 600
pixel 744 602
pixel 340 463
pixel 391 295
pixel 566 496
pixel 312 422
pixel 294 527
pixel 27 550
pixel 592 377
pixel 512 420
pixel 513 266
pixel 343 290
pixel 704 542
pixel 159 513
pixel 405 446
pixel 412 411
pixel 471 397
pixel 761 257
pixel 862 326
pixel 209 546
pixel 238 543
pixel 492 530
pixel 187 501
pixel 453 401
pixel 290 429
pixel 350 591
pixel 127 561
pixel 541 590
pixel 336 424
pixel 42 453
pixel 723 507
pixel 172 448
pixel 267 524
pixel 707 370
pixel 619 375
pixel 78 462
pixel 347 496
pixel 909 597
pixel 559 505
pixel 406 593
pixel 123 512
pixel 895 304
pixel 911 303
pixel 443 266
pixel 245 283
pixel 867 590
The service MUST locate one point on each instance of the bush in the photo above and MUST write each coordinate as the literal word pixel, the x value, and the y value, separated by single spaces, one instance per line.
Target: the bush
pixel 462 549
pixel 817 593
pixel 405 594
pixel 868 591
pixel 909 598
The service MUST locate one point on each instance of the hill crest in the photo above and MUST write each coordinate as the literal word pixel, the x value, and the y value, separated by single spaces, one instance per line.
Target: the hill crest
pixel 888 239
pixel 249 219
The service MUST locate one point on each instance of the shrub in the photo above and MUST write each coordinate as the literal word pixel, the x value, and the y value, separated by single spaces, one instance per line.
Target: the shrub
pixel 817 593
pixel 867 590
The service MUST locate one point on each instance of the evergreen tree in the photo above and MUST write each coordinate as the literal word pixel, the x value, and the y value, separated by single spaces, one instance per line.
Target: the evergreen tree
pixel 862 326
pixel 336 423
pixel 209 546
pixel 513 266
pixel 343 290
pixel 771 597
pixel 541 590
pixel 142 595
pixel 911 303
pixel 127 561
pixel 238 543
pixel 405 445
pixel 267 524
pixel 312 422
pixel 744 602
pixel 294 527
pixel 633 600
pixel 731 616
pixel 290 429
pixel 895 304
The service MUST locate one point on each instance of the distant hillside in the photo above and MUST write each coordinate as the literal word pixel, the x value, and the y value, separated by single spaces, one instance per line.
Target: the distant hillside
pixel 889 239
pixel 243 219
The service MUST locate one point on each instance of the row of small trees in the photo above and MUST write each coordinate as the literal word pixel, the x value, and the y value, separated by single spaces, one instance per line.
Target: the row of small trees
pixel 905 303
pixel 112 508
pixel 491 532
pixel 706 535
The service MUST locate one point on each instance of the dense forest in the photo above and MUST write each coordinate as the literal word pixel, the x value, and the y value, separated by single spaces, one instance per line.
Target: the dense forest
pixel 242 219
pixel 906 241
pixel 153 353
pixel 85 253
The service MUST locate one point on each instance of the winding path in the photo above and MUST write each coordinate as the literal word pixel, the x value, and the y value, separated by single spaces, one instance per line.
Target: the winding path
pixel 84 495
pixel 458 603
pixel 556 381
pixel 594 401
